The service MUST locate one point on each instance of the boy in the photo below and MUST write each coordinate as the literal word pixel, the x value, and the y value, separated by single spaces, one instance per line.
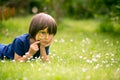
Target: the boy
pixel 34 44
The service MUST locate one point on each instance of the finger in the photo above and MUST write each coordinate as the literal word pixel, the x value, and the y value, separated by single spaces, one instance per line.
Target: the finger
pixel 37 42
pixel 36 46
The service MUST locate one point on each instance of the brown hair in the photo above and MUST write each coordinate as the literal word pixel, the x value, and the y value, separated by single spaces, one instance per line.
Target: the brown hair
pixel 41 21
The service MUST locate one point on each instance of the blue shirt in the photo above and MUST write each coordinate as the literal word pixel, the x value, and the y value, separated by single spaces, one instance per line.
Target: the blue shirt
pixel 20 46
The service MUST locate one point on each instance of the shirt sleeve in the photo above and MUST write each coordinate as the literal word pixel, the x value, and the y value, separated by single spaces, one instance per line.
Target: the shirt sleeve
pixel 18 47
pixel 47 50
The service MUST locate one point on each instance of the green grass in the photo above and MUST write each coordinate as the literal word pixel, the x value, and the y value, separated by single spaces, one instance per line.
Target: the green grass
pixel 78 52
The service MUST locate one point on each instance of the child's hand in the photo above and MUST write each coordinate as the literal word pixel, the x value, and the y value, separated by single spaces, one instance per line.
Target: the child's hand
pixel 34 48
pixel 46 42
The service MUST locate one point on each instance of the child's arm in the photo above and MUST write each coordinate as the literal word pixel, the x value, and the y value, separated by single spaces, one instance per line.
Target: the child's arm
pixel 22 58
pixel 32 50
pixel 43 54
pixel 43 44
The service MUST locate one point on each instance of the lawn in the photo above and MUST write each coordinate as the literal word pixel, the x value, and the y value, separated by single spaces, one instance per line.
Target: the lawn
pixel 78 52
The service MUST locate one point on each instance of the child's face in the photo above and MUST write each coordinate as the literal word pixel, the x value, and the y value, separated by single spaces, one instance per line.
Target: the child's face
pixel 42 34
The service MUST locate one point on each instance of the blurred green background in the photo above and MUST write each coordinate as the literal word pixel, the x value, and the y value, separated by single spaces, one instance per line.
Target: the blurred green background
pixel 86 46
pixel 106 11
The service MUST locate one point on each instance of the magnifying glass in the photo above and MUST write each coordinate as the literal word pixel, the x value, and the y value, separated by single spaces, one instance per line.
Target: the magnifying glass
pixel 43 34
